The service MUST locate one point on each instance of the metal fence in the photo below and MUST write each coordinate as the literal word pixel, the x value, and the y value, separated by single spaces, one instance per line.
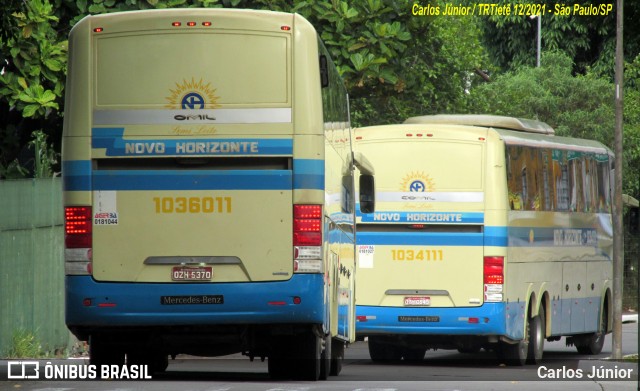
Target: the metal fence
pixel 31 263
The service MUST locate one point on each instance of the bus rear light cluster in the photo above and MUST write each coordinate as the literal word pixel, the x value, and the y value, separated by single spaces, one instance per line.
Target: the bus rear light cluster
pixel 78 252
pixel 307 238
pixel 493 272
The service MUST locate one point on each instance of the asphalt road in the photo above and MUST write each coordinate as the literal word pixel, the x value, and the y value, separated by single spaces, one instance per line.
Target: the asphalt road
pixel 440 370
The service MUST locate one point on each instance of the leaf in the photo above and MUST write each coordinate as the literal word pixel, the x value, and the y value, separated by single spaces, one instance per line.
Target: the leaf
pixel 22 82
pixel 47 97
pixel 356 46
pixel 30 110
pixel 54 65
pixel 24 97
pixel 358 61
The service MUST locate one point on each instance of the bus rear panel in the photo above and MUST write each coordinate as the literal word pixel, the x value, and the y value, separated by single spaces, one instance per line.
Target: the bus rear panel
pixel 195 186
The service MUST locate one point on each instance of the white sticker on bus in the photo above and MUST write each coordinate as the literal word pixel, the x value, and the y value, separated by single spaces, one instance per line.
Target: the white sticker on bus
pixel 105 208
pixel 365 256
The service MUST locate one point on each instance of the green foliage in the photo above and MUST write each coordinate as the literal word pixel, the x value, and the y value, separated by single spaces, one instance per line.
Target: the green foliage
pixel 45 155
pixel 32 81
pixel 588 40
pixel 24 344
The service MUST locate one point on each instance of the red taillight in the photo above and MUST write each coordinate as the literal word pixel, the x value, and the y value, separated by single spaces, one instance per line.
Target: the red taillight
pixel 176 24
pixel 493 270
pixel 307 225
pixel 77 227
pixel 307 211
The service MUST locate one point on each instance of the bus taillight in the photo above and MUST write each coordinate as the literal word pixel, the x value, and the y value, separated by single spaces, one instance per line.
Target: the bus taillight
pixel 493 278
pixel 307 238
pixel 77 239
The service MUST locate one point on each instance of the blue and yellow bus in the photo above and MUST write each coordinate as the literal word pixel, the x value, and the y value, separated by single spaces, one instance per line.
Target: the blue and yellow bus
pixel 208 190
pixel 489 232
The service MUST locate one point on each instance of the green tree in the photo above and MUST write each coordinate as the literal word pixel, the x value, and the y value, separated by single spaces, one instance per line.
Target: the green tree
pixel 587 39
pixel 32 79
pixel 576 106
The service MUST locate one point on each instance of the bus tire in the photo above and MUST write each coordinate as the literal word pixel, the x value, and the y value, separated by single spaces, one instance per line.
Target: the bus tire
pixel 155 361
pixel 413 354
pixel 514 354
pixel 325 358
pixel 309 349
pixel 381 351
pixel 536 338
pixel 101 352
pixel 337 356
pixel 595 341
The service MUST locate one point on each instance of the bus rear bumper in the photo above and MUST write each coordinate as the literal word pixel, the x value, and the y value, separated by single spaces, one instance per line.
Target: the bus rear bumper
pixel 488 319
pixel 110 304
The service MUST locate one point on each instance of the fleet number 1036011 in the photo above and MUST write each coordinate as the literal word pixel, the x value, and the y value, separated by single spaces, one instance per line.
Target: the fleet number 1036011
pixel 192 204
pixel 430 254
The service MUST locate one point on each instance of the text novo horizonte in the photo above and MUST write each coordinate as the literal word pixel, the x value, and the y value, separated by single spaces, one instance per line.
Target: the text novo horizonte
pixel 190 147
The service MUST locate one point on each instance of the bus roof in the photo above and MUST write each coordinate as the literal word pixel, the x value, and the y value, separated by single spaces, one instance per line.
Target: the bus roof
pixel 490 121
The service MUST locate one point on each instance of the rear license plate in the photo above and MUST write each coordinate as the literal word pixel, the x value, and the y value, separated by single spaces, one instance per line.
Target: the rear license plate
pixel 187 273
pixel 417 301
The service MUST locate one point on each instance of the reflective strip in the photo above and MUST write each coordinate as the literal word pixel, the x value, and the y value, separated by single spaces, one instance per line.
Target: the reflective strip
pixel 458 196
pixel 173 117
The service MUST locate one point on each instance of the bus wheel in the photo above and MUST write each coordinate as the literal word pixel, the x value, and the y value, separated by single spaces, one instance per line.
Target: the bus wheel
pixel 309 352
pixel 381 351
pixel 413 354
pixel 156 362
pixel 515 354
pixel 536 338
pixel 101 352
pixel 594 343
pixel 325 358
pixel 337 356
pixel 280 361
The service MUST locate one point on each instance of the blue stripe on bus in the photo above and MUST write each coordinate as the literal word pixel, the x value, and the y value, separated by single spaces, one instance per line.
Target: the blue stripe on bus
pixel 495 236
pixel 192 180
pixel 112 139
pixel 421 238
pixel 308 174
pixel 76 175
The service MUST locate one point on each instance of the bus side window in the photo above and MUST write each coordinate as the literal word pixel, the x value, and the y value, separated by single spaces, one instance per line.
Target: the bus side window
pixel 367 194
pixel 347 190
pixel 324 72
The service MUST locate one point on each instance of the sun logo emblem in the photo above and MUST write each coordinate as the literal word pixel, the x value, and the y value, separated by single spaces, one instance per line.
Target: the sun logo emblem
pixel 193 95
pixel 417 182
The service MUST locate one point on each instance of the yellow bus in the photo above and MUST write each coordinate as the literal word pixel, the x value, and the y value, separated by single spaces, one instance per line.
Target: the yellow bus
pixel 489 232
pixel 208 190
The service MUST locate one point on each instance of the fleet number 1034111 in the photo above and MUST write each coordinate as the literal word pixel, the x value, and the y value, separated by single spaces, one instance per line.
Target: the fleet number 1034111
pixel 192 204
pixel 430 254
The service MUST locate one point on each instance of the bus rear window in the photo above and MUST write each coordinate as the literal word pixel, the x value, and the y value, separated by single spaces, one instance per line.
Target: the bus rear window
pixel 157 70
